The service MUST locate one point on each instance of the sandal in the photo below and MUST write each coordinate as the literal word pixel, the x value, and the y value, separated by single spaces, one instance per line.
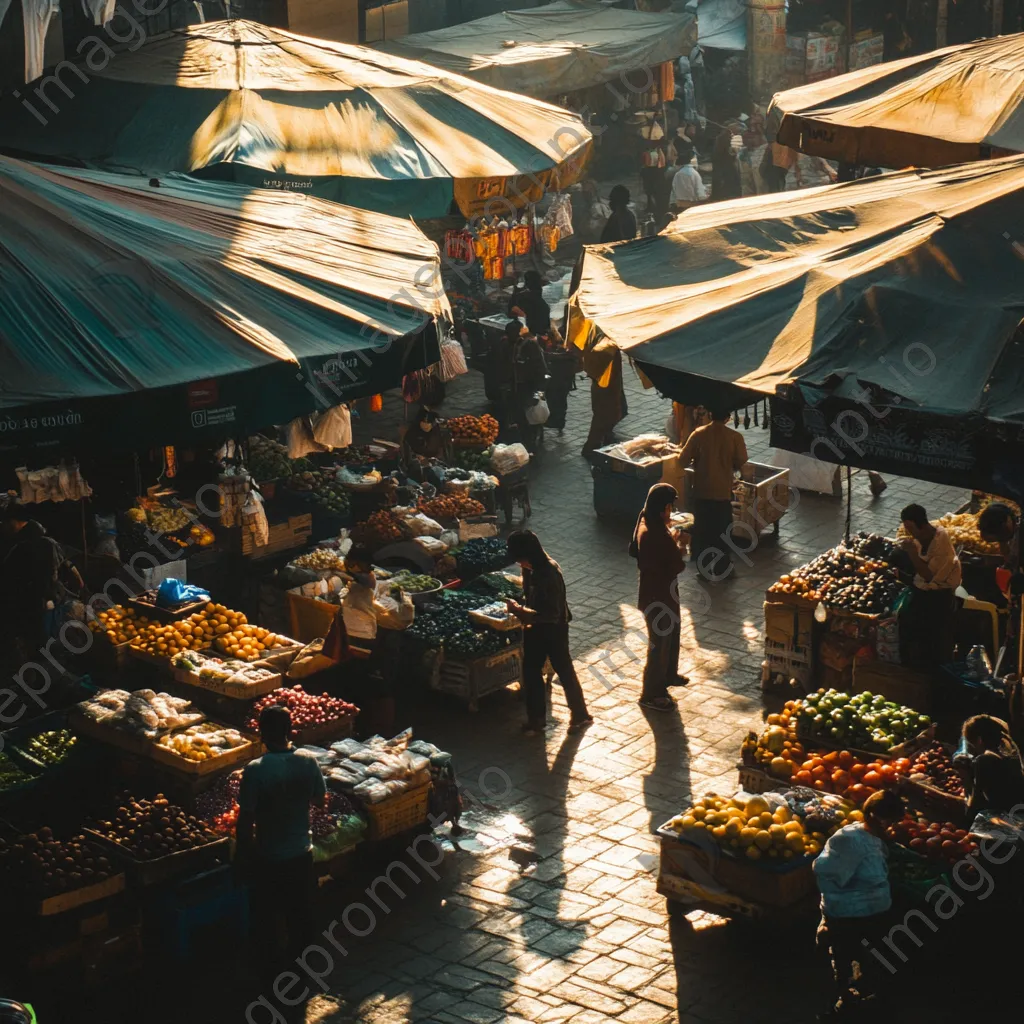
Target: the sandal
pixel 532 729
pixel 657 703
pixel 579 725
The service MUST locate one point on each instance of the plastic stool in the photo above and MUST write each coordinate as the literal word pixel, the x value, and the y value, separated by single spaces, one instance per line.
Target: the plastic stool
pixel 973 605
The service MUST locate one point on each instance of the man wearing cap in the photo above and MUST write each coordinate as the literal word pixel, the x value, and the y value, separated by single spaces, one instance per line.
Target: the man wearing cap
pixel 275 844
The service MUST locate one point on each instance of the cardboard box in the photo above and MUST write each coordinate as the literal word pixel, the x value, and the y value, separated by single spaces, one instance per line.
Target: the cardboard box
pixel 788 624
pixel 293 533
pixel 894 682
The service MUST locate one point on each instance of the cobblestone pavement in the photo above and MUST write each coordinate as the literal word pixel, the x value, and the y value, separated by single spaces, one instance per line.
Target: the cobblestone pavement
pixel 579 934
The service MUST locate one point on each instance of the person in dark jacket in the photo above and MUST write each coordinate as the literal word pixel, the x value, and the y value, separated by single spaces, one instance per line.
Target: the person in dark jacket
pixel 621 225
pixel 660 561
pixel 726 182
pixel 37 578
pixel 546 616
pixel 526 371
pixel 996 780
pixel 528 303
pixel 426 439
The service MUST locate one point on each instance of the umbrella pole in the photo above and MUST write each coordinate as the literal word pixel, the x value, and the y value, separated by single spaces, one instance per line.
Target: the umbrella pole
pixel 849 502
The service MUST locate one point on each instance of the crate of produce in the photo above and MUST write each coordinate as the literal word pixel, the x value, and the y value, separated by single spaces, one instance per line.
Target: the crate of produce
pixel 74 898
pixel 474 678
pixel 227 688
pixel 153 871
pixel 780 884
pixel 399 813
pixel 935 802
pixel 754 780
pixel 324 734
pixel 168 756
pixel 294 532
pixel 650 470
pixel 83 725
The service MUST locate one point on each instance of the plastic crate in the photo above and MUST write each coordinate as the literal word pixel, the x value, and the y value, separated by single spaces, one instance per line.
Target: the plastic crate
pixel 200 915
pixel 471 679
pixel 399 814
pixel 618 495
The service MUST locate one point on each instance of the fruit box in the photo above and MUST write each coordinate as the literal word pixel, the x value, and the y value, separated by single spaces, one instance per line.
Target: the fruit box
pixel 159 869
pixel 165 756
pixel 777 884
pixel 65 901
pixel 894 682
pixel 227 689
pixel 145 604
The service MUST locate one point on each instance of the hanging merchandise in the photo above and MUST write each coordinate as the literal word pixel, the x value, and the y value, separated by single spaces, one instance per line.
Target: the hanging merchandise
pixel 37 15
pixel 333 428
pixel 234 495
pixel 411 389
pixel 560 214
pixel 453 360
pixel 254 520
pixel 102 11
pixel 667 82
pixel 54 483
pixel 376 403
pixel 170 462
pixel 459 246
pixel 522 238
pixel 549 236
pixel 300 438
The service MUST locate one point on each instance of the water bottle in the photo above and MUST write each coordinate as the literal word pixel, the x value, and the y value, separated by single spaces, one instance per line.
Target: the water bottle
pixel 979 667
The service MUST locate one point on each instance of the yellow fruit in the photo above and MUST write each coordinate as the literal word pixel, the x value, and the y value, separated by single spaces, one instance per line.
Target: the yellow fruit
pixel 687 821
pixel 766 820
pixel 698 812
pixel 793 826
pixel 813 847
pixel 795 842
pixel 753 853
pixel 777 832
pixel 747 836
pixel 732 828
pixel 855 816
pixel 718 831
pixel 781 814
pixel 756 805
pixel 763 839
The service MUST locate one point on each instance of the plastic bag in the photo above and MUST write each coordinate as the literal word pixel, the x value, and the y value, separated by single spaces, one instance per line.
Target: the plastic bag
pixel 506 458
pixel 333 429
pixel 420 525
pixel 453 360
pixel 432 545
pixel 254 519
pixel 538 414
pixel 173 592
pixel 106 528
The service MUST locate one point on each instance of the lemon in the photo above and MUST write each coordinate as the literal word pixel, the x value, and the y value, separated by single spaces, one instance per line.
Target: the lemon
pixel 763 839
pixel 753 853
pixel 747 836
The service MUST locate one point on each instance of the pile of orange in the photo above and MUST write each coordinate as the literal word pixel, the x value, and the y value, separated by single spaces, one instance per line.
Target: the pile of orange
pixel 478 429
pixel 840 772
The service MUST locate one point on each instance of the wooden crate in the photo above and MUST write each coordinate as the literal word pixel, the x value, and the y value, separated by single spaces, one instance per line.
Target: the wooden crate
pixel 159 869
pixel 894 682
pixel 471 679
pixel 773 884
pixel 238 755
pixel 226 689
pixel 399 814
pixel 62 902
pixel 756 780
pixel 294 532
pixel 322 735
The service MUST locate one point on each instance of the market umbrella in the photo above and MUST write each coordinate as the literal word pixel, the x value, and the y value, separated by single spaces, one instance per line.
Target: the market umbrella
pixel 950 105
pixel 245 102
pixel 553 49
pixel 902 292
pixel 137 312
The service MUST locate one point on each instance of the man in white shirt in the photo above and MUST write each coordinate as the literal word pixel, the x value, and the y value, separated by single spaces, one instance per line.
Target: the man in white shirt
pixel 926 624
pixel 687 185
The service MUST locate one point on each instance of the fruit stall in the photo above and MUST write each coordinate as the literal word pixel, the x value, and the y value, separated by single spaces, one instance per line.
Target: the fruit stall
pixel 805 775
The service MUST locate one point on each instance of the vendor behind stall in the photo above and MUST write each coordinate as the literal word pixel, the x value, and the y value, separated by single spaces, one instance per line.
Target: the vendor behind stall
pixel 374 627
pixel 275 845
pixel 998 525
pixel 995 779
pixel 528 304
pixel 926 622
pixel 426 439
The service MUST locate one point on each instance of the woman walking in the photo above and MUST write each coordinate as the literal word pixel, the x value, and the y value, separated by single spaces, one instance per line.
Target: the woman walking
pixel 660 561
pixel 546 616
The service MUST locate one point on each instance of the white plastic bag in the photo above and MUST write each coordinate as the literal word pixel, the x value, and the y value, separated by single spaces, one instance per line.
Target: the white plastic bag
pixel 453 360
pixel 420 525
pixel 333 429
pixel 507 458
pixel 538 414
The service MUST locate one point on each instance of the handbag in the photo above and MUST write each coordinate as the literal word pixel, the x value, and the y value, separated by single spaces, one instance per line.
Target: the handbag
pixel 538 414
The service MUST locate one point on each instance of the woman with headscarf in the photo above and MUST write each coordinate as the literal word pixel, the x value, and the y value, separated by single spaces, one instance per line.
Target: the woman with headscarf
pixel 621 225
pixel 660 561
pixel 545 615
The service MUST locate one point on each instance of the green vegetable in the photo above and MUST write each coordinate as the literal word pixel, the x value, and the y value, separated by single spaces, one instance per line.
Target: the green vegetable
pixel 50 748
pixel 11 775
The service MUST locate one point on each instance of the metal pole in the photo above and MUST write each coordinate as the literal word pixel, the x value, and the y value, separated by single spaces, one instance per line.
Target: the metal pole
pixel 849 502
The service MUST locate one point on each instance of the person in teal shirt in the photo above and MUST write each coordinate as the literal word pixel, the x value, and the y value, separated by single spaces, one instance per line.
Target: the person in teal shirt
pixel 275 843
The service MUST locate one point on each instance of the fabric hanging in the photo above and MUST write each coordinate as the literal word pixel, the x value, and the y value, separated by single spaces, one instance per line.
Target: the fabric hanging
pixel 37 15
pixel 667 82
pixel 102 11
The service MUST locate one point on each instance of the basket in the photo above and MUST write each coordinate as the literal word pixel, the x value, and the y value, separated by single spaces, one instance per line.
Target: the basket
pixel 471 679
pixel 399 814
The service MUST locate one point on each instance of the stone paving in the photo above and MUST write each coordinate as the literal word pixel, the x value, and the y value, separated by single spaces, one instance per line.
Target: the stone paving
pixel 573 930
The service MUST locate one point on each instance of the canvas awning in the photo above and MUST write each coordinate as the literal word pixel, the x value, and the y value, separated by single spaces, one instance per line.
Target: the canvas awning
pixel 554 49
pixel 137 314
pixel 722 24
pixel 903 291
pixel 241 101
pixel 955 104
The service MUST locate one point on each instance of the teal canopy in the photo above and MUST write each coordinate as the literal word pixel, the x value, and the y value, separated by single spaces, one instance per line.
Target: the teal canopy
pixel 244 102
pixel 140 312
